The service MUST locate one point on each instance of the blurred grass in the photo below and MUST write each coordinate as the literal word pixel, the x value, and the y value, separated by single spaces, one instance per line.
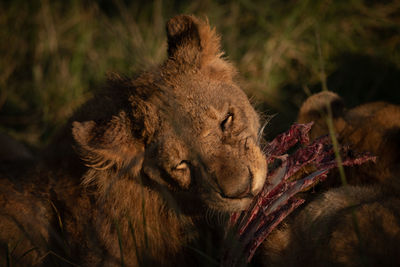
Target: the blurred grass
pixel 53 54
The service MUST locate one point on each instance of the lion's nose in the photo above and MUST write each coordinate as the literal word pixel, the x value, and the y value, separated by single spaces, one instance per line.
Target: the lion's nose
pixel 245 193
pixel 237 192
pixel 236 186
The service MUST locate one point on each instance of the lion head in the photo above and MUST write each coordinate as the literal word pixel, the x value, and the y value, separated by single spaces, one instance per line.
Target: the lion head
pixel 185 126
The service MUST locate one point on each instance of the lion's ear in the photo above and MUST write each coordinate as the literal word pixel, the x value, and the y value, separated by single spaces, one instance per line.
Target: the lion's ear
pixel 103 145
pixel 183 38
pixel 315 106
pixel 193 41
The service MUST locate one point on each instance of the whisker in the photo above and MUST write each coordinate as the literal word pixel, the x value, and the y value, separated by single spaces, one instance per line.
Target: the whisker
pixel 221 218
pixel 209 216
pixel 261 131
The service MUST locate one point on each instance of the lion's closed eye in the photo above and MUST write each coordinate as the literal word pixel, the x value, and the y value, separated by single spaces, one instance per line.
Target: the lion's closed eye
pixel 183 165
pixel 181 174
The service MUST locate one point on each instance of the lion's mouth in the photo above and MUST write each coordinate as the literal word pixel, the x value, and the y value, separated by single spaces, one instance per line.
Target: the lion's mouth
pixel 246 193
pixel 230 204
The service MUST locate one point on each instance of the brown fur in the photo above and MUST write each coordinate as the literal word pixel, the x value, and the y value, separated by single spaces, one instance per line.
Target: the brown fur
pixel 372 127
pixel 347 226
pixel 350 225
pixel 159 152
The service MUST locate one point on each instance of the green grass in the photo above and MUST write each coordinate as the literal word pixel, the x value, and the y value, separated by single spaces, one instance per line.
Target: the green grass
pixel 54 54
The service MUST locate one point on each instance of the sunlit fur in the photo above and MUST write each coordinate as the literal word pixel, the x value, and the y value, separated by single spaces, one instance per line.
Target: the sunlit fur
pixel 113 185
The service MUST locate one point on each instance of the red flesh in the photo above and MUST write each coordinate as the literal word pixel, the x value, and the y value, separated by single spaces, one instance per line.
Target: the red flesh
pixel 276 200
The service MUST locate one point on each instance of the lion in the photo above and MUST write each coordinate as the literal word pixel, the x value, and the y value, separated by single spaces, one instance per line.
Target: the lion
pixel 352 225
pixel 132 177
pixel 345 226
pixel 371 127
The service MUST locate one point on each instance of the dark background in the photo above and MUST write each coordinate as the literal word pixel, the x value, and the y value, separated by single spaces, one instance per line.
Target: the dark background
pixel 54 54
